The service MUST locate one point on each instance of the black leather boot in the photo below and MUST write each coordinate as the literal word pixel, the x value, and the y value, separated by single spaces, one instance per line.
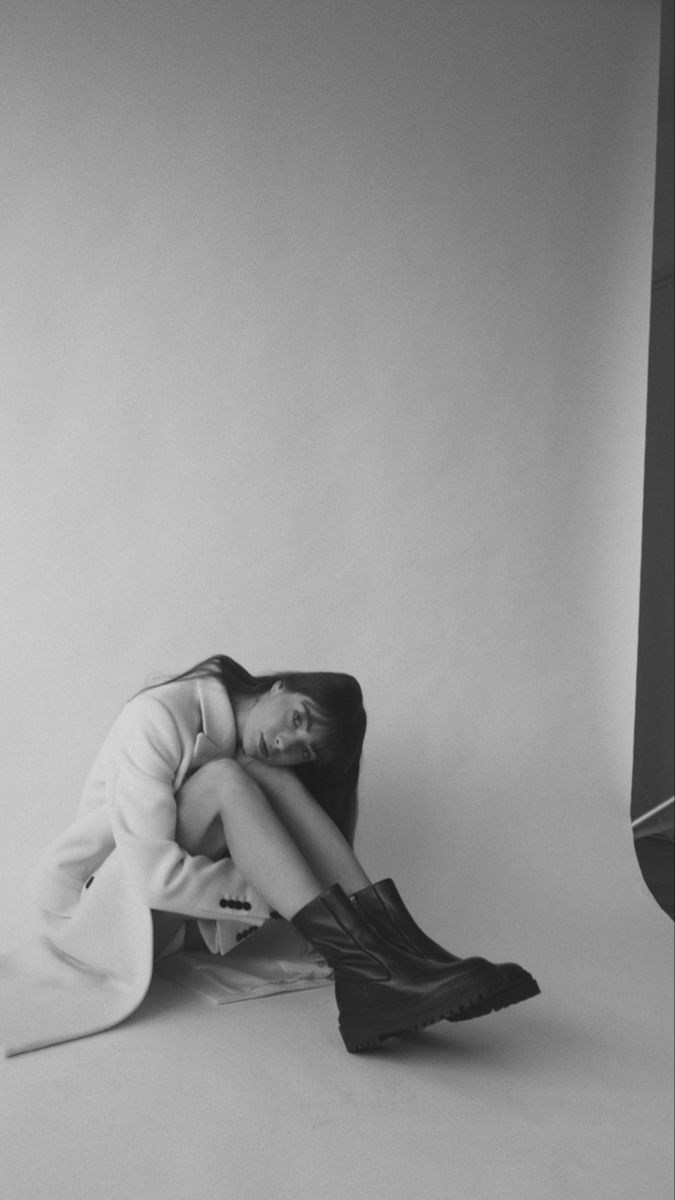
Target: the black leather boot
pixel 380 988
pixel 382 906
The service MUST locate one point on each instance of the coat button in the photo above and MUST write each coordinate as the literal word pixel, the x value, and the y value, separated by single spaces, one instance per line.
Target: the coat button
pixel 246 906
pixel 224 903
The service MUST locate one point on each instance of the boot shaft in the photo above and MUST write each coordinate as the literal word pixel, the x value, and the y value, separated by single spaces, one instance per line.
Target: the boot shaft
pixel 363 952
pixel 382 906
pixel 334 926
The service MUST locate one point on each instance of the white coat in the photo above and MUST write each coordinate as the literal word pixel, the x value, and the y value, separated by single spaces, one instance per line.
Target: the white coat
pixel 96 886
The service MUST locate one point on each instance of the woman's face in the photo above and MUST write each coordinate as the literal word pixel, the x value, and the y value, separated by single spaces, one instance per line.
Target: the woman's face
pixel 280 729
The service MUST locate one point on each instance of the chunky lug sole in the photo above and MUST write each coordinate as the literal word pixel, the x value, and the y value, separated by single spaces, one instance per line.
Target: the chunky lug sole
pixel 522 986
pixel 367 1028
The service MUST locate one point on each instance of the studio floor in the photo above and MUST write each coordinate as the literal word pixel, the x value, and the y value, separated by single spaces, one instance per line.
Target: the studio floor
pixel 568 1095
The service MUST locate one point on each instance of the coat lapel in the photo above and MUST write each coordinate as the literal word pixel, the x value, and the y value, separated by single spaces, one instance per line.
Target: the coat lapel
pixel 218 736
pixel 205 751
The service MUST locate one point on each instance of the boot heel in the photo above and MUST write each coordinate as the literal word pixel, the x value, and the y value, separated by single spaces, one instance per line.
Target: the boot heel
pixel 356 1044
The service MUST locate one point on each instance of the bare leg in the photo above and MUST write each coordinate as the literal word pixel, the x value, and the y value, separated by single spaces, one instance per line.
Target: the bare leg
pixel 223 797
pixel 326 850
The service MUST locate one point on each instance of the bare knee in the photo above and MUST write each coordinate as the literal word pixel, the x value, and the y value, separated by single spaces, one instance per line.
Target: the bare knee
pixel 221 782
pixel 205 802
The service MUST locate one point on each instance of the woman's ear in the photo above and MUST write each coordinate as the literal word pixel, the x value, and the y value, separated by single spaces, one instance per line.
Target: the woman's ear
pixel 277 687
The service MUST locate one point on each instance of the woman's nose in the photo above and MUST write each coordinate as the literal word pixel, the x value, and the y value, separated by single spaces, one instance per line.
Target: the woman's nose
pixel 285 743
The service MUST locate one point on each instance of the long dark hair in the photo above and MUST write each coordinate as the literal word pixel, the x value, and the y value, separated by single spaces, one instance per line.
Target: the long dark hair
pixel 338 701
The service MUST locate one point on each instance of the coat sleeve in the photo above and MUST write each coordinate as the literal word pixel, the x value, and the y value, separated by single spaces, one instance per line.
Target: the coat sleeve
pixel 143 753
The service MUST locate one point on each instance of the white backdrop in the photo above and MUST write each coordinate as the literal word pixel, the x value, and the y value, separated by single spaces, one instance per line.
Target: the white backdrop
pixel 325 345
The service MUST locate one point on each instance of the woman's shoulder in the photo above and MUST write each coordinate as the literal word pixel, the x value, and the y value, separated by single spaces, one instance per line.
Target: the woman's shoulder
pixel 174 704
pixel 198 704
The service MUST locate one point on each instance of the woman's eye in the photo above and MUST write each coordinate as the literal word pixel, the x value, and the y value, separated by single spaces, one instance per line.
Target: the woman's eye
pixel 297 718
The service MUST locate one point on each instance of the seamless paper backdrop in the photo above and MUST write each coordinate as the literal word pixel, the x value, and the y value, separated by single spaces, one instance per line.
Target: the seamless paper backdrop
pixel 326 339
pixel 325 342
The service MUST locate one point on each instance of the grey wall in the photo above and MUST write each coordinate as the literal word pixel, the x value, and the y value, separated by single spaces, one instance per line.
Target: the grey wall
pixel 325 343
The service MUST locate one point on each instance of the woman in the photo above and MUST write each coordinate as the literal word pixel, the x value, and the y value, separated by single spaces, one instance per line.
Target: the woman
pixel 225 796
